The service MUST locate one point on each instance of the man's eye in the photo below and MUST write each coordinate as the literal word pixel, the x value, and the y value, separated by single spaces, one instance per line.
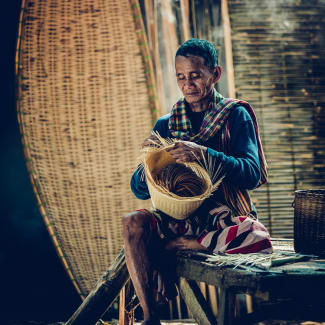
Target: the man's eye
pixel 195 76
pixel 180 77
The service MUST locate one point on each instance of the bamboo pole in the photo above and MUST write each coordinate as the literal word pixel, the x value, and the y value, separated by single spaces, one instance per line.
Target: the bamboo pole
pixel 194 18
pixel 185 11
pixel 228 49
pixel 152 23
pixel 193 297
pixel 103 295
pixel 171 45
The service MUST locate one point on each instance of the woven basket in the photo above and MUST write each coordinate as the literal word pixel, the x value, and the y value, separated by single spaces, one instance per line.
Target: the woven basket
pixel 85 101
pixel 309 222
pixel 175 206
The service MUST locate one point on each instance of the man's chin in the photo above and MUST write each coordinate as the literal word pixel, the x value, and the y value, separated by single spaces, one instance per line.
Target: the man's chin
pixel 192 99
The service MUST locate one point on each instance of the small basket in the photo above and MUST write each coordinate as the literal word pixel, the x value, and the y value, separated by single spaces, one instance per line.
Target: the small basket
pixel 309 222
pixel 175 206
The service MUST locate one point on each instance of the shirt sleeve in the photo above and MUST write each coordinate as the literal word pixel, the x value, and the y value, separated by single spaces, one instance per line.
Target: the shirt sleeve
pixel 242 166
pixel 138 182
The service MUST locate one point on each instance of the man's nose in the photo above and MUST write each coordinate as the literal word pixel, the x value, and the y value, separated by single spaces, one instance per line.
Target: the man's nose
pixel 188 82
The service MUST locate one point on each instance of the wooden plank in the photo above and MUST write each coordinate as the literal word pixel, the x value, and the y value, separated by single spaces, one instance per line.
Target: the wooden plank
pixel 103 295
pixel 298 280
pixel 196 303
pixel 193 269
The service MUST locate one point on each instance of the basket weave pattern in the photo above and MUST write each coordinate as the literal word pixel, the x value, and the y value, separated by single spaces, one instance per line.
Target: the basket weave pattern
pixel 84 109
pixel 173 205
pixel 309 222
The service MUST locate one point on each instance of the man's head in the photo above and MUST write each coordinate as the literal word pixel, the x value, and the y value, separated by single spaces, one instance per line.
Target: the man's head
pixel 202 48
pixel 197 70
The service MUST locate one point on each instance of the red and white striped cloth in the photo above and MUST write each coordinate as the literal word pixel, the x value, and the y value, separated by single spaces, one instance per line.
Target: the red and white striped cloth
pixel 232 235
pixel 236 235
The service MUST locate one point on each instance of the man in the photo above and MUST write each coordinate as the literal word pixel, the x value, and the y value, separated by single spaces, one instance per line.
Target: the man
pixel 226 132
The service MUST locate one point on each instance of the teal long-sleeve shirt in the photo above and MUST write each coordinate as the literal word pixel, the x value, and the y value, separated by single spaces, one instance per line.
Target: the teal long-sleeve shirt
pixel 241 165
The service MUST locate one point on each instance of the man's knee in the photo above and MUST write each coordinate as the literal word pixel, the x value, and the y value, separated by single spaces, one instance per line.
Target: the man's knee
pixel 136 223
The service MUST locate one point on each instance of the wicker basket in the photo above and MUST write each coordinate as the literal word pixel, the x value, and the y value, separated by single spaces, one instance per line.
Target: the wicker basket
pixel 85 100
pixel 175 206
pixel 309 222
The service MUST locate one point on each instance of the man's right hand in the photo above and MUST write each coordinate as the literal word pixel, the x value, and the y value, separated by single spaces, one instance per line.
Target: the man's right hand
pixel 151 141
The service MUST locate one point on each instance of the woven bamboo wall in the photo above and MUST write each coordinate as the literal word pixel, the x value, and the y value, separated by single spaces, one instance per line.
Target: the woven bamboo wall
pixel 85 104
pixel 278 53
pixel 279 62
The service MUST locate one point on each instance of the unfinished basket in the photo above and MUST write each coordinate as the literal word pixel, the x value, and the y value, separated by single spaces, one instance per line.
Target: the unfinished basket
pixel 178 207
pixel 309 222
pixel 85 103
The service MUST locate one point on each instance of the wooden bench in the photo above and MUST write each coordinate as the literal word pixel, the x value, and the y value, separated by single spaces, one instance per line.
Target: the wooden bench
pixel 294 290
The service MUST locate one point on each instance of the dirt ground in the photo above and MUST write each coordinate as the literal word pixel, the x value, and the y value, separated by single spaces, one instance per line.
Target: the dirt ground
pixel 173 322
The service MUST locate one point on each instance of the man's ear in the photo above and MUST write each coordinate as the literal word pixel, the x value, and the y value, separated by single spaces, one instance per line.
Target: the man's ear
pixel 217 73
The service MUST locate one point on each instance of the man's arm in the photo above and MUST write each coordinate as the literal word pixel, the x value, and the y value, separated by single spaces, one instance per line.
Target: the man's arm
pixel 242 165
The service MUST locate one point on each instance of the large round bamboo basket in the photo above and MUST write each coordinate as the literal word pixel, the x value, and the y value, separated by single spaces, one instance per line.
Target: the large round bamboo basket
pixel 85 104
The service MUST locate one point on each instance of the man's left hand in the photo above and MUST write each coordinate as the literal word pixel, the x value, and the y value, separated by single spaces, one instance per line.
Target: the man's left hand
pixel 184 243
pixel 186 151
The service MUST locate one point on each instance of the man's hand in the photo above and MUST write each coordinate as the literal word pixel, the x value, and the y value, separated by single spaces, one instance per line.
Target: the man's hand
pixel 184 243
pixel 151 141
pixel 186 151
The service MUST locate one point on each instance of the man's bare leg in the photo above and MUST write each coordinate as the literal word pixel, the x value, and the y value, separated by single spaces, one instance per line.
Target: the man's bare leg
pixel 137 235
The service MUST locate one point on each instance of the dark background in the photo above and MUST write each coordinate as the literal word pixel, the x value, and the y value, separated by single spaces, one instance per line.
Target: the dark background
pixel 34 285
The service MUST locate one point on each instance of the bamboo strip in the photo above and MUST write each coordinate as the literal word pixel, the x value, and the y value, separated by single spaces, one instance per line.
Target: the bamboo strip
pixel 228 49
pixel 184 6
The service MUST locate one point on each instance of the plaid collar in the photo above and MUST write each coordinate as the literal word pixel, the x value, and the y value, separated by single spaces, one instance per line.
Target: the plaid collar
pixel 214 119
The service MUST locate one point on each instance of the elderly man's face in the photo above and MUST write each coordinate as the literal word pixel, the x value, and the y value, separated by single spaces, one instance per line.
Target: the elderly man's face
pixel 194 78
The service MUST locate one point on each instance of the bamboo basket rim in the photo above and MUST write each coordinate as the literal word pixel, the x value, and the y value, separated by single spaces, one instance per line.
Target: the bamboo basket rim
pixel 193 166
pixel 311 192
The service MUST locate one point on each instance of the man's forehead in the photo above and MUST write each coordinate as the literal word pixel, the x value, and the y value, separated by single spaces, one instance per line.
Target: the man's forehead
pixel 190 57
pixel 189 60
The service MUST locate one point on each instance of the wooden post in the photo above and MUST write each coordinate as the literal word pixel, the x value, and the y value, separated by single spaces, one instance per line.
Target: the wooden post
pixel 249 303
pixel 213 299
pixel 227 307
pixel 196 303
pixel 228 49
pixel 103 295
pixel 127 304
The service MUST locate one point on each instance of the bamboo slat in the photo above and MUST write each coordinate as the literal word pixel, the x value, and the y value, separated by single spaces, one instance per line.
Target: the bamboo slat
pixel 185 10
pixel 279 68
pixel 228 49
